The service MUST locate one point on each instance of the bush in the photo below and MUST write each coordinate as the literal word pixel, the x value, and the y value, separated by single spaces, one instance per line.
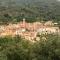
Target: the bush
pixel 20 49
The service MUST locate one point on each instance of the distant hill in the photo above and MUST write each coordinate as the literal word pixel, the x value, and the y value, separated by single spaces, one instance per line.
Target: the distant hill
pixel 30 9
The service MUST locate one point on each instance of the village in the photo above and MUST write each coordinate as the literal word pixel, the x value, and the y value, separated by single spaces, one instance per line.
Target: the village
pixel 28 31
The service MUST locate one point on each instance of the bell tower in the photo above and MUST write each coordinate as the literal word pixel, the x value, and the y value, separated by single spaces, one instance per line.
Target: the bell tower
pixel 24 22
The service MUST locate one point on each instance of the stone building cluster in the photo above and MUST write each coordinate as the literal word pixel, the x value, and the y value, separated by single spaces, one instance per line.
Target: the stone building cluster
pixel 26 30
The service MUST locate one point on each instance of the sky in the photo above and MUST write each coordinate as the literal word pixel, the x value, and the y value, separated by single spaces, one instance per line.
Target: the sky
pixel 58 0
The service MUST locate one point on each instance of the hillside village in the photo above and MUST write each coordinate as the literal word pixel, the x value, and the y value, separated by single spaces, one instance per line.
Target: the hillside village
pixel 28 31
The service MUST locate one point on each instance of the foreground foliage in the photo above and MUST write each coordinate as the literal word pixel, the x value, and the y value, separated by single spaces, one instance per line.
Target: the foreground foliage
pixel 20 49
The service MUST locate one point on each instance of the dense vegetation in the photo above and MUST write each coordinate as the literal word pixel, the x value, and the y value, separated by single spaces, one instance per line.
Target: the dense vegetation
pixel 32 10
pixel 20 49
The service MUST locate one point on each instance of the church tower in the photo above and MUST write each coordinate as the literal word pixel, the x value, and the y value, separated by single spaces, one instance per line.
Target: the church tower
pixel 24 20
pixel 24 23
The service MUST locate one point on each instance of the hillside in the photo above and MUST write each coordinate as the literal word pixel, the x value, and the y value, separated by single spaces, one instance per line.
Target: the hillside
pixel 29 29
pixel 32 10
